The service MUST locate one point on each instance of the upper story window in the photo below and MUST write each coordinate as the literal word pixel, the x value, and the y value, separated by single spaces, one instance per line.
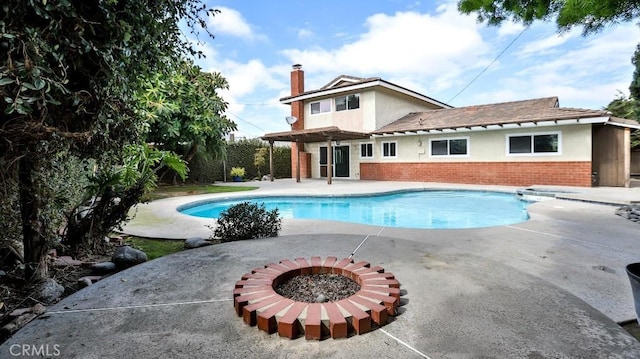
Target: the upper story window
pixel 321 106
pixel 449 147
pixel 534 144
pixel 366 150
pixel 349 102
pixel 389 149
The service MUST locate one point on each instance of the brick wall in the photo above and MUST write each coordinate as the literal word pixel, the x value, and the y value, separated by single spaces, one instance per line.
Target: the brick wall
pixel 305 162
pixel 493 173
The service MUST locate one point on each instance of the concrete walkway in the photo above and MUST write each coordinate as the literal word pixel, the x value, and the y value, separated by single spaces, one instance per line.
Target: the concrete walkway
pixel 551 287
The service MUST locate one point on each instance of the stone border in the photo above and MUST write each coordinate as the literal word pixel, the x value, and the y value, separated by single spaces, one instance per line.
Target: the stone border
pixel 257 302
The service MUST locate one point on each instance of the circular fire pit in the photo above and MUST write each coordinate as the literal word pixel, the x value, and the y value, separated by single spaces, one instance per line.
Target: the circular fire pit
pixel 256 300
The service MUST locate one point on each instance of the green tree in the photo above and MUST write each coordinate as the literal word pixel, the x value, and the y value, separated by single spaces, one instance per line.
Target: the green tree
pixel 634 87
pixel 68 73
pixel 260 159
pixel 593 15
pixel 112 192
pixel 185 111
pixel 623 107
pixel 626 107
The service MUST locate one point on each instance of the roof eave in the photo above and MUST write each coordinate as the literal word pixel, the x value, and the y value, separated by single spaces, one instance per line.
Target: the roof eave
pixel 359 86
pixel 500 126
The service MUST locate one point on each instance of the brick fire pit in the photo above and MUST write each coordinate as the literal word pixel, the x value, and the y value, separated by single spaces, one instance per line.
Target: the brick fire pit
pixel 256 300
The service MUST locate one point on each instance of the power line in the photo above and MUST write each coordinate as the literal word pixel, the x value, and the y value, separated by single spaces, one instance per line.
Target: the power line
pixel 246 121
pixel 251 104
pixel 491 63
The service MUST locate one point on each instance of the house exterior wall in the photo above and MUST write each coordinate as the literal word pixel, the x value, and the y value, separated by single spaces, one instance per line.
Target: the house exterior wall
pixel 350 120
pixel 491 173
pixel 487 161
pixel 389 106
pixel 377 108
pixel 491 146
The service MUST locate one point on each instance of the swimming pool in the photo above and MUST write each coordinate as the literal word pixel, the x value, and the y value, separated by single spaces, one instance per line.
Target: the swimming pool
pixel 415 209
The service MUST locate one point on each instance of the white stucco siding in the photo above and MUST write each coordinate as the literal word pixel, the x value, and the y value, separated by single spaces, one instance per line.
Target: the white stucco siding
pixel 314 149
pixel 318 120
pixel 378 107
pixel 348 120
pixel 490 146
pixel 390 106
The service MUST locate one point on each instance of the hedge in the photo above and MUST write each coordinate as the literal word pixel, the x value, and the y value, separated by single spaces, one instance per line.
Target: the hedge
pixel 203 169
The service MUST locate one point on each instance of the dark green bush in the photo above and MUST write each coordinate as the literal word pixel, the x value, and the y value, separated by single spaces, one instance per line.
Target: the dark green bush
pixel 247 220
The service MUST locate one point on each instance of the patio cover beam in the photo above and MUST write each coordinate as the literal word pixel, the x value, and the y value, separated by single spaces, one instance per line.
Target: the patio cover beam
pixel 300 137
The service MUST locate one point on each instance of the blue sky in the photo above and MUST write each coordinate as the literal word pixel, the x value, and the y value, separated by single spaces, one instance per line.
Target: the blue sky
pixel 426 46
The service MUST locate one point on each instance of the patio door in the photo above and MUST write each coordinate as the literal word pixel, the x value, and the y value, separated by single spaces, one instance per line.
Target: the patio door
pixel 340 161
pixel 341 158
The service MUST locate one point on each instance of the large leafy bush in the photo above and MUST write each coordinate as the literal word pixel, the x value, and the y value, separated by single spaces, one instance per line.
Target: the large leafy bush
pixel 247 220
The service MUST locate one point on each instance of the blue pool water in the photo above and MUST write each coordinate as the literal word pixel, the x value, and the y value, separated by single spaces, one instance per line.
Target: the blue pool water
pixel 417 209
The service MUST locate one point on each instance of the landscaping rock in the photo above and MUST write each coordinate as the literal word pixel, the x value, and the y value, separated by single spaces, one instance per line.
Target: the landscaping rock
pixel 104 267
pixel 49 291
pixel 88 280
pixel 631 213
pixel 20 311
pixel 65 261
pixel 125 257
pixel 85 282
pixel 196 242
pixel 36 309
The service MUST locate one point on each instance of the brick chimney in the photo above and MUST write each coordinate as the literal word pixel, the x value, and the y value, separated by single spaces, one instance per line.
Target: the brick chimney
pixel 297 80
pixel 300 160
pixel 297 88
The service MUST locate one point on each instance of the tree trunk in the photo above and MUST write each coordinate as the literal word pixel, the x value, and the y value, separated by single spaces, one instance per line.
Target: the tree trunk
pixel 193 150
pixel 34 242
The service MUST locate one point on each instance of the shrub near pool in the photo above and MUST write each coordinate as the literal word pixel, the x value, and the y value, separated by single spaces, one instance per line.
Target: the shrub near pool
pixel 247 220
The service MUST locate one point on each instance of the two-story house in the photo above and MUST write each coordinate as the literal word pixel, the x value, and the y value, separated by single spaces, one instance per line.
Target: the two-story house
pixel 376 130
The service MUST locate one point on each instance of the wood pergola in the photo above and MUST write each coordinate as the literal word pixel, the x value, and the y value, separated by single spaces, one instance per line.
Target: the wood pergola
pixel 300 137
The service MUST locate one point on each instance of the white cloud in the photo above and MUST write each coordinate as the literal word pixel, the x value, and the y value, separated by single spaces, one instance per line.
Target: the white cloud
pixel 403 45
pixel 305 34
pixel 510 28
pixel 253 94
pixel 548 43
pixel 584 72
pixel 230 22
pixel 604 57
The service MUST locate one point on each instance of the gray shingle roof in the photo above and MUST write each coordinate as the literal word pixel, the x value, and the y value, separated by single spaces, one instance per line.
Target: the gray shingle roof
pixel 535 110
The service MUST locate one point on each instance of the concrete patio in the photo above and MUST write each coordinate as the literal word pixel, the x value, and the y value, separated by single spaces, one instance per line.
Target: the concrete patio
pixel 553 286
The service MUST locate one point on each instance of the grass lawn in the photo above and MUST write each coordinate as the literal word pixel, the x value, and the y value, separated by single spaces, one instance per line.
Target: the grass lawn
pixel 155 248
pixel 191 189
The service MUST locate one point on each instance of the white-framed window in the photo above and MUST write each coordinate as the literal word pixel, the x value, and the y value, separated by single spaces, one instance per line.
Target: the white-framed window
pixel 321 106
pixel 366 149
pixel 348 102
pixel 543 143
pixel 389 149
pixel 449 147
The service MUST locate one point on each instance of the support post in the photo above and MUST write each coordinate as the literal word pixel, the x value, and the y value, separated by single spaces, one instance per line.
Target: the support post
pixel 329 161
pixel 298 144
pixel 271 161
